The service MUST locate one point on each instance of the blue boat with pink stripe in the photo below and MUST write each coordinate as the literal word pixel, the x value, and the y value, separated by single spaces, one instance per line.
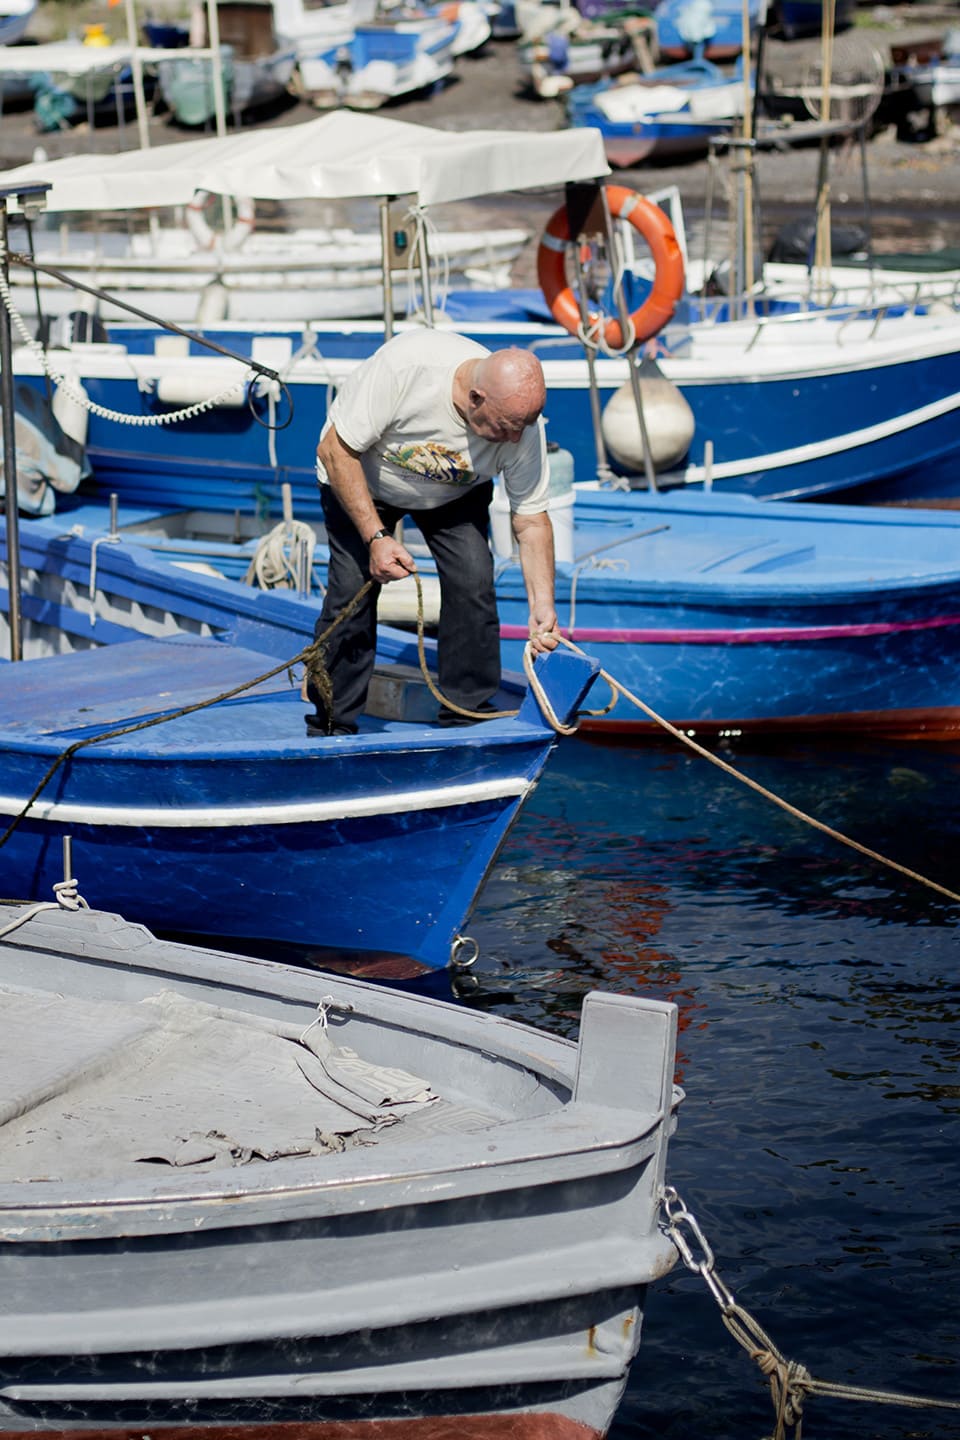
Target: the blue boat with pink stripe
pixel 723 614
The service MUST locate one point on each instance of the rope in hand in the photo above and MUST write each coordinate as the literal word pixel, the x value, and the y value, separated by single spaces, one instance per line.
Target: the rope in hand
pixel 755 785
pixel 533 680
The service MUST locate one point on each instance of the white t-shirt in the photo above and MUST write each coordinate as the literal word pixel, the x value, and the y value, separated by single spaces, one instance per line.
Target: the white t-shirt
pixel 396 410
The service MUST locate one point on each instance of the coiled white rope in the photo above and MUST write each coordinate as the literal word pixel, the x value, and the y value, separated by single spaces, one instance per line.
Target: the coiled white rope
pixel 283 558
pixel 593 336
pixel 68 386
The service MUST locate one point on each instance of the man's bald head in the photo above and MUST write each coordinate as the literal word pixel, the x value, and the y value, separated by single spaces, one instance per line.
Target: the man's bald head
pixel 500 394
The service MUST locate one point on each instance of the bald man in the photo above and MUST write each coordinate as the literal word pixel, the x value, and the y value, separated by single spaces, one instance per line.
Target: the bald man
pixel 421 428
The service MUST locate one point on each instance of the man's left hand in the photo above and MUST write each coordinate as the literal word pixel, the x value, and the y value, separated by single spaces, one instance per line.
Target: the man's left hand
pixel 543 632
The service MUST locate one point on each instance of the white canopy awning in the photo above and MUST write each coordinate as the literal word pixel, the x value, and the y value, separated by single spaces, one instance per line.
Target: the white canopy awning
pixel 73 58
pixel 338 156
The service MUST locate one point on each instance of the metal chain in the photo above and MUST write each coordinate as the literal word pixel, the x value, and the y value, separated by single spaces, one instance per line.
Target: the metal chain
pixel 790 1381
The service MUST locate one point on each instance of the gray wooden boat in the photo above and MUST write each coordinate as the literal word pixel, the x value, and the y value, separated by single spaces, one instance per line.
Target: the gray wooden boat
pixel 238 1198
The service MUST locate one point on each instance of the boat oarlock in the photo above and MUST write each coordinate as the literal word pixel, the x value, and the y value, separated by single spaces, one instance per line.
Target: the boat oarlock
pixel 203 233
pixel 654 225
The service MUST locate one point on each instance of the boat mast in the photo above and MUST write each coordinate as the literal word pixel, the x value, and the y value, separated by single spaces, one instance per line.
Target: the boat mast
pixel 747 190
pixel 823 249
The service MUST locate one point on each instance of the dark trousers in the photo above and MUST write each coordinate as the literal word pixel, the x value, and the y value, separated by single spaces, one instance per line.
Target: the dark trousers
pixel 468 633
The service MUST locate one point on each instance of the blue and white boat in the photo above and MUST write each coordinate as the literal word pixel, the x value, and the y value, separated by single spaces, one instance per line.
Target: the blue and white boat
pixel 384 58
pixel 228 817
pixel 717 25
pixel 672 111
pixel 784 407
pixel 787 402
pixel 15 17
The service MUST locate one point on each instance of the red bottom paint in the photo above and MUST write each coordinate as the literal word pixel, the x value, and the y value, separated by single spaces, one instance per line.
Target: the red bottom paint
pixel 445 1427
pixel 940 723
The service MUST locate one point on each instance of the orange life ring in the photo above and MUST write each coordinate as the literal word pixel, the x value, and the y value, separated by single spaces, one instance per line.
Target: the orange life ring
pixel 652 223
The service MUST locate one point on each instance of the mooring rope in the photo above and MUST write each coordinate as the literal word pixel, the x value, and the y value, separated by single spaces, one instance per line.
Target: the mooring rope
pixel 755 785
pixel 790 1381
pixel 68 898
pixel 311 656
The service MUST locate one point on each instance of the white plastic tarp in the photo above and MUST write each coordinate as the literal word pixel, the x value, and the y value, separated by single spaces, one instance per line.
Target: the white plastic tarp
pixel 337 156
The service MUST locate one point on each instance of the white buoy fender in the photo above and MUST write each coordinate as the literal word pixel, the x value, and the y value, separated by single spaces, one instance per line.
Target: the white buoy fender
pixel 70 412
pixel 668 418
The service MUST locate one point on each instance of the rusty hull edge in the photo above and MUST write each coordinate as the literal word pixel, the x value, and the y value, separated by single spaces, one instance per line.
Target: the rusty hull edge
pixel 935 724
pixel 517 1426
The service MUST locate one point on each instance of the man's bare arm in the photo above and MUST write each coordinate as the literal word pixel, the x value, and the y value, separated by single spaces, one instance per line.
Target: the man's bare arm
pixel 534 535
pixel 389 560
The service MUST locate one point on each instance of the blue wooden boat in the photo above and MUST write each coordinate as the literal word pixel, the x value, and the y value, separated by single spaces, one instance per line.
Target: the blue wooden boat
pixel 723 614
pixel 727 616
pixel 242 1198
pixel 230 819
pixel 788 405
pixel 672 111
pixel 717 25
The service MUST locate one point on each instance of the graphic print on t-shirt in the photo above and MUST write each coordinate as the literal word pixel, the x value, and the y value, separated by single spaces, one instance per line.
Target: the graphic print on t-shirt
pixel 433 460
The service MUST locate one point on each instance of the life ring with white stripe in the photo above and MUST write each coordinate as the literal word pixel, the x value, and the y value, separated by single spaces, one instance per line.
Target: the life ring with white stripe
pixel 204 236
pixel 654 225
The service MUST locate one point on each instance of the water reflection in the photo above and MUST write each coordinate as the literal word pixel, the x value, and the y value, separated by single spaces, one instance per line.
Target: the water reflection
pixel 819 995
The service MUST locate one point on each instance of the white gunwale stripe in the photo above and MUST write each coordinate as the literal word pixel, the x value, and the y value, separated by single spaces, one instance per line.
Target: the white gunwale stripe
pixel 301 812
pixel 821 449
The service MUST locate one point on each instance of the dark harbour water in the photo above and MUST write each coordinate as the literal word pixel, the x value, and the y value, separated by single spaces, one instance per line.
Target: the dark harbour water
pixel 819 1144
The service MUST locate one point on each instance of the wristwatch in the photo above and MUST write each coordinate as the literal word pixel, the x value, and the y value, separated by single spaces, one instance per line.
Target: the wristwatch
pixel 378 535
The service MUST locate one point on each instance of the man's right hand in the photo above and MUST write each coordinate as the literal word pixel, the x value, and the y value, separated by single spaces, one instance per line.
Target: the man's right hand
pixel 389 560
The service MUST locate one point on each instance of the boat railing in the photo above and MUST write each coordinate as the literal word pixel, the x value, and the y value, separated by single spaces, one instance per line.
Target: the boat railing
pixel 843 315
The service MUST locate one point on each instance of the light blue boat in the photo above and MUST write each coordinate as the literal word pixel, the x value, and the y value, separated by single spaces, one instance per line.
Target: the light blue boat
pixel 727 616
pixel 717 25
pixel 229 821
pixel 723 614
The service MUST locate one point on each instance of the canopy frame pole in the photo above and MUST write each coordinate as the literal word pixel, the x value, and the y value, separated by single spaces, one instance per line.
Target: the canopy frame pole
pixel 219 99
pixel 139 94
pixel 386 266
pixel 9 427
pixel 10 457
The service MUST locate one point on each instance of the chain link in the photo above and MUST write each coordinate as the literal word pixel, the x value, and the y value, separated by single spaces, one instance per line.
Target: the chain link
pixel 790 1381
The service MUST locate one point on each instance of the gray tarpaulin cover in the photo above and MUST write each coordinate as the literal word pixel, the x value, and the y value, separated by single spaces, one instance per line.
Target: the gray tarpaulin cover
pixel 89 1089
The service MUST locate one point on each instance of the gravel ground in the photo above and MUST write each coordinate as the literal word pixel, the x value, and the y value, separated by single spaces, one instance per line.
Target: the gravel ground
pixel 913 184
